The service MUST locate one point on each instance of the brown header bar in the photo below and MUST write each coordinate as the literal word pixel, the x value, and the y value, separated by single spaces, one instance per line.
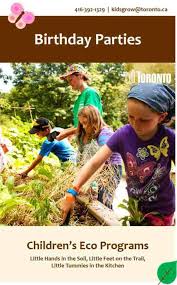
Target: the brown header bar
pixel 157 39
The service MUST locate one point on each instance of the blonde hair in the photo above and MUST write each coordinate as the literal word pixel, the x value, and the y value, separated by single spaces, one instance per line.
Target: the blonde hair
pixel 95 122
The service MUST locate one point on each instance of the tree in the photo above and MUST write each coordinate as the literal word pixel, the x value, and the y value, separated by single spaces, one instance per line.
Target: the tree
pixel 4 77
pixel 38 86
pixel 113 91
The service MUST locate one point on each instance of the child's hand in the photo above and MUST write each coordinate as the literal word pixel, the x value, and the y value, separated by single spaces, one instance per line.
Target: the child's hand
pixel 62 135
pixel 67 205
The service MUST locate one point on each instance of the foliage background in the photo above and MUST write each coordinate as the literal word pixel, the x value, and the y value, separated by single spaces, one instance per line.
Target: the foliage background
pixel 38 86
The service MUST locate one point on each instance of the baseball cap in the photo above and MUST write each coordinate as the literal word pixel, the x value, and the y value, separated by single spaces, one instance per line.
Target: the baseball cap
pixel 75 68
pixel 39 125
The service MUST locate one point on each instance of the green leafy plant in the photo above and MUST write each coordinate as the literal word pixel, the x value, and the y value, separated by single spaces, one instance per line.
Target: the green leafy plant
pixel 40 202
pixel 10 183
pixel 45 171
pixel 8 199
pixel 42 209
pixel 135 217
pixel 10 204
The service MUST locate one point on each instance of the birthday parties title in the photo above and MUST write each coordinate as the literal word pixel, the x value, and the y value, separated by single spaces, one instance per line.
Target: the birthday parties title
pixel 86 41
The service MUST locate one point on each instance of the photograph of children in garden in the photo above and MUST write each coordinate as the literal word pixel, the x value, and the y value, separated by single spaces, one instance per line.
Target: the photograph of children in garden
pixel 120 128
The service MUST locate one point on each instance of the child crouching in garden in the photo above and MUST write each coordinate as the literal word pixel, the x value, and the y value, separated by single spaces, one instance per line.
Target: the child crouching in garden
pixel 147 148
pixel 91 129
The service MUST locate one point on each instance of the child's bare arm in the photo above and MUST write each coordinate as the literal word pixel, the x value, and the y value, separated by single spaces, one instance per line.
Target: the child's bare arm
pixel 66 133
pixel 32 166
pixel 92 166
pixel 84 174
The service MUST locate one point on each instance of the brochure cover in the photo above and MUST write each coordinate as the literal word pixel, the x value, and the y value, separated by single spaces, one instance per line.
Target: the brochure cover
pixel 87 142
